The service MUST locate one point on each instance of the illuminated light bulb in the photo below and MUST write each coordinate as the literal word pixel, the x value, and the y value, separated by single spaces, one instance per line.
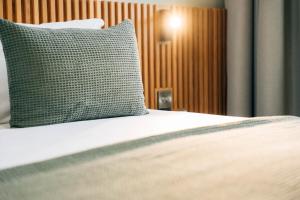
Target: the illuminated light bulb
pixel 175 22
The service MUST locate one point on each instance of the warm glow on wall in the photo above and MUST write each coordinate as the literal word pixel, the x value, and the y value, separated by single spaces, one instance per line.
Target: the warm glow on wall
pixel 169 22
pixel 175 21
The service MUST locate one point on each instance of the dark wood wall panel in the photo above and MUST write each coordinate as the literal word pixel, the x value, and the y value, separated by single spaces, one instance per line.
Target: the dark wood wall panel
pixel 192 64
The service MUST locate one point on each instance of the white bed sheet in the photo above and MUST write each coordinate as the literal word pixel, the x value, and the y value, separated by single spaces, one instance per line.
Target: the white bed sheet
pixel 28 145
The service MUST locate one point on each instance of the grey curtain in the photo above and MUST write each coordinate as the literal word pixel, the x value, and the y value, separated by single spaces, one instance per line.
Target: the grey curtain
pixel 263 66
pixel 239 57
pixel 292 56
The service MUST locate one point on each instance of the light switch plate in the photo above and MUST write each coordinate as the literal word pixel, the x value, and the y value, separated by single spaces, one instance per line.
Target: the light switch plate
pixel 164 99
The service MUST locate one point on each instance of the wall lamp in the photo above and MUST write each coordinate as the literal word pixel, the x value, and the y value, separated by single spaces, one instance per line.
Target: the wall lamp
pixel 169 23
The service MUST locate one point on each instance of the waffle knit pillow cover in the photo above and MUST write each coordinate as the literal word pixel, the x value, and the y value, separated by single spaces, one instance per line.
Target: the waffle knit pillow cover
pixel 66 75
pixel 94 23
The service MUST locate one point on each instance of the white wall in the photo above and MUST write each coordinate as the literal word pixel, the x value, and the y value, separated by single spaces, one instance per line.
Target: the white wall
pixel 200 3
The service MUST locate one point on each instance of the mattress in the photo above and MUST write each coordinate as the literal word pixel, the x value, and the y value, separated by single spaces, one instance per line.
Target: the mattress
pixel 28 145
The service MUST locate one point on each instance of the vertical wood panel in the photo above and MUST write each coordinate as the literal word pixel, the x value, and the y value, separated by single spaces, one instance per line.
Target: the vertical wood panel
pixel 131 11
pixel 150 23
pixel 193 64
pixel 68 10
pixel 104 13
pixel 211 62
pixel 174 72
pixel 60 10
pixel 26 11
pixel 157 52
pixel 124 10
pixel 163 73
pixel 52 13
pixel 75 9
pixel 224 63
pixel 36 13
pixel 91 10
pixel 97 8
pixel 185 63
pixel 200 24
pixel 215 61
pixel 145 53
pixel 1 8
pixel 219 81
pixel 18 12
pixel 174 67
pixel 118 10
pixel 180 65
pixel 169 65
pixel 44 11
pixel 205 60
pixel 195 54
pixel 9 10
pixel 138 29
pixel 111 13
pixel 190 60
pixel 83 9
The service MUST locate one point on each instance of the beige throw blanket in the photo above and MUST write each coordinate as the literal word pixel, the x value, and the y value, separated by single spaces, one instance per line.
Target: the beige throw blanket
pixel 257 159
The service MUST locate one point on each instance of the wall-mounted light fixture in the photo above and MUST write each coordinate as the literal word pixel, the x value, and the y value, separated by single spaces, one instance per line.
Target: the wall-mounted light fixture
pixel 169 22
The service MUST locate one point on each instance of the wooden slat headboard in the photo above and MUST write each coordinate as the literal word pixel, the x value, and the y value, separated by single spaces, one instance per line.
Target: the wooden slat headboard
pixel 192 64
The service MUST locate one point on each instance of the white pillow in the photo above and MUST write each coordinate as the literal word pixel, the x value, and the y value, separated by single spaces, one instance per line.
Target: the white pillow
pixel 82 24
pixel 4 95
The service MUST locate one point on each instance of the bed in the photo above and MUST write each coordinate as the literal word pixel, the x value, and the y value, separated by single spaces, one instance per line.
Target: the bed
pixel 18 145
pixel 162 155
pixel 79 127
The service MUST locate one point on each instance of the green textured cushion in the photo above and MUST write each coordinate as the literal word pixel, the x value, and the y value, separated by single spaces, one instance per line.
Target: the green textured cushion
pixel 66 75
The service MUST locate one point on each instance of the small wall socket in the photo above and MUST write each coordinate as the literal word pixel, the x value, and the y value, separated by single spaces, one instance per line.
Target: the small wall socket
pixel 164 99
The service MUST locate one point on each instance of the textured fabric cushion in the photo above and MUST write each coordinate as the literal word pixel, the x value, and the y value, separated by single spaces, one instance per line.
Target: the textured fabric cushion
pixel 66 75
pixel 4 97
